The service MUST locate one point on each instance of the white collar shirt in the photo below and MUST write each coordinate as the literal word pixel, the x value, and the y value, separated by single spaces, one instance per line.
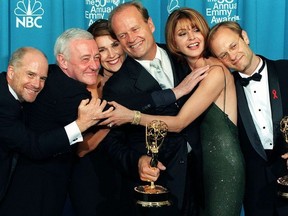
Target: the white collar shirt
pixel 162 55
pixel 257 95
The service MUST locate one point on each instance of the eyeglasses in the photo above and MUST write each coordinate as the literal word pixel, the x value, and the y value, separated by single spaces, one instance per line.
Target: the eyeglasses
pixel 233 48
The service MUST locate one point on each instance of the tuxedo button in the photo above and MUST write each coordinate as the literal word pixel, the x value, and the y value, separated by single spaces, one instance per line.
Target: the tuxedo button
pixel 57 154
pixel 181 161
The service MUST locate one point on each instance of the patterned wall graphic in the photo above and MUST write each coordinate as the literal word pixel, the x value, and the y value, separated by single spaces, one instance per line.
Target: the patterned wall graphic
pixel 38 22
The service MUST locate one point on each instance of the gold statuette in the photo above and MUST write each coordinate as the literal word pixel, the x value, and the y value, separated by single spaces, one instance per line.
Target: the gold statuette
pixel 283 181
pixel 153 195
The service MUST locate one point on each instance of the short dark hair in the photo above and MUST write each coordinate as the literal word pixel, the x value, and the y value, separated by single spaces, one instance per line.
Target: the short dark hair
pixel 100 28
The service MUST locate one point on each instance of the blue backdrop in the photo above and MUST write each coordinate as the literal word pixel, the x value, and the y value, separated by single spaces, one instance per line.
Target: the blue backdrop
pixel 38 22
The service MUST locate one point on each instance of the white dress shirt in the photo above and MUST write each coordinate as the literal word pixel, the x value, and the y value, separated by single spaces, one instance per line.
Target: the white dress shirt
pixel 257 94
pixel 165 63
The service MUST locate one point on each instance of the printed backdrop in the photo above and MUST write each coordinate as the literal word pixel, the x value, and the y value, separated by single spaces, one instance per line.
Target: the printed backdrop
pixel 38 22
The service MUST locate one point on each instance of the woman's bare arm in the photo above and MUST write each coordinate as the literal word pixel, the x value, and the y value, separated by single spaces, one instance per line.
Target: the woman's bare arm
pixel 91 141
pixel 207 92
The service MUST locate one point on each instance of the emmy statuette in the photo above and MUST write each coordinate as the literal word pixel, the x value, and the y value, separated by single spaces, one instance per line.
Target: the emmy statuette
pixel 283 181
pixel 153 195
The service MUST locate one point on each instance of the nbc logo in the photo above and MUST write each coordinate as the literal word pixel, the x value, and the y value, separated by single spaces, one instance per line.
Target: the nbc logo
pixel 28 13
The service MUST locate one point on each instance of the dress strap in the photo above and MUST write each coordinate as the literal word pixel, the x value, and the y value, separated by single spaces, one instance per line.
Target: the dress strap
pixel 224 89
pixel 224 85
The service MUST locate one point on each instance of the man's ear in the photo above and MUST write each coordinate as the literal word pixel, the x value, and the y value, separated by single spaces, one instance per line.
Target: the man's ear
pixel 62 62
pixel 245 37
pixel 151 24
pixel 10 72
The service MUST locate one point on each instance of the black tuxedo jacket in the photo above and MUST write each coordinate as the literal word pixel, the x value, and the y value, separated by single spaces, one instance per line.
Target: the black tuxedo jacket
pixel 262 170
pixel 131 86
pixel 39 187
pixel 16 139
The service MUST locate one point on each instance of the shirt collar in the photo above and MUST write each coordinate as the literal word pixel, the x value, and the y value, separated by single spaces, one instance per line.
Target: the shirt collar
pixel 256 70
pixel 146 63
pixel 13 92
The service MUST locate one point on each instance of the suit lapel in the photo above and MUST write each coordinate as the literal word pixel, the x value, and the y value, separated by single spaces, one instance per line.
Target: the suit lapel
pixel 248 121
pixel 144 81
pixel 180 69
pixel 275 99
pixel 177 74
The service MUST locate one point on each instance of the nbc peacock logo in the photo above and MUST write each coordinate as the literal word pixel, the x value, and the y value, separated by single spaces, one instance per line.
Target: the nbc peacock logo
pixel 28 13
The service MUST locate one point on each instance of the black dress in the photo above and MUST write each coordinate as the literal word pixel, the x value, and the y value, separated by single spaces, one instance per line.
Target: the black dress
pixel 223 164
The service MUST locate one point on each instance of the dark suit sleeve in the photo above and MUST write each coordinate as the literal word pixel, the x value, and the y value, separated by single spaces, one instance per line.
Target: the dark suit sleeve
pixel 143 101
pixel 16 137
pixel 156 100
pixel 163 97
pixel 122 152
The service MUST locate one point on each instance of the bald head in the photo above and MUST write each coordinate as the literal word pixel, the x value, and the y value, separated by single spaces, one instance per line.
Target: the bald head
pixel 26 73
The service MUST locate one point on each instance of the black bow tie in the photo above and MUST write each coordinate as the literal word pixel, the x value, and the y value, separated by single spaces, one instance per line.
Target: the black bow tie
pixel 256 77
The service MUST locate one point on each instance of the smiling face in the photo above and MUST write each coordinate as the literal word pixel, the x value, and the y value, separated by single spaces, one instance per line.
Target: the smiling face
pixel 233 50
pixel 134 33
pixel 27 77
pixel 185 33
pixel 83 61
pixel 112 55
pixel 188 39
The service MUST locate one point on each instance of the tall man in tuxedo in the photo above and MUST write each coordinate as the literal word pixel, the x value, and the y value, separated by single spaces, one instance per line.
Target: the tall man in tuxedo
pixel 262 102
pixel 39 187
pixel 133 86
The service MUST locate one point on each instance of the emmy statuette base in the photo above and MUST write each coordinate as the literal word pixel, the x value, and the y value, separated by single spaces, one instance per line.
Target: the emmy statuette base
pixel 283 186
pixel 152 197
